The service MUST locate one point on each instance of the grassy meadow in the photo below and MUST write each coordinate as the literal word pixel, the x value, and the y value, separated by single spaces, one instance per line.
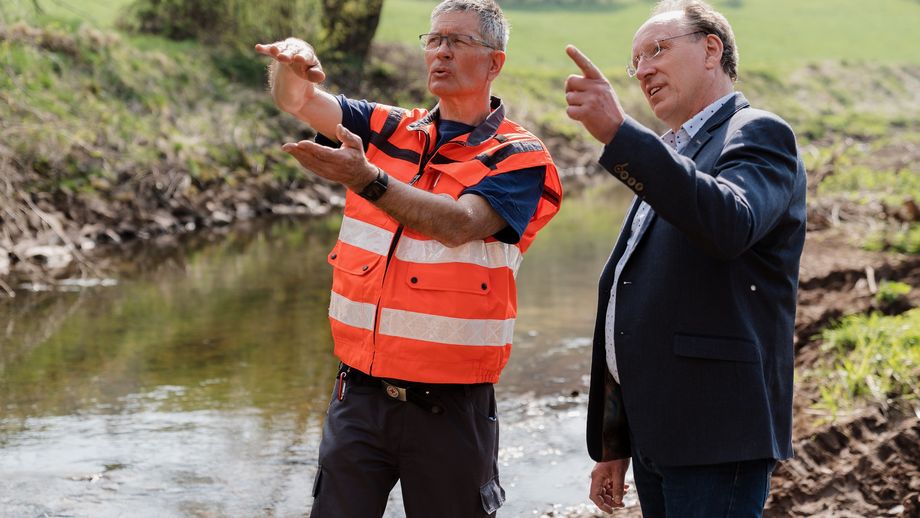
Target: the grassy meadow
pixel 778 34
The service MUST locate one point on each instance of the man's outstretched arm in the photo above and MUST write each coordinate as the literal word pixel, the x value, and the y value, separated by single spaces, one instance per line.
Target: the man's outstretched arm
pixel 294 75
pixel 451 222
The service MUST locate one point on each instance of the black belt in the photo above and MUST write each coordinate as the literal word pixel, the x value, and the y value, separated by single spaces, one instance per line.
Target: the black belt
pixel 421 394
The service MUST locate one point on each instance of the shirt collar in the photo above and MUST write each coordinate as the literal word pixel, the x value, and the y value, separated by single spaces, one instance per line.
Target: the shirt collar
pixel 690 128
pixel 483 132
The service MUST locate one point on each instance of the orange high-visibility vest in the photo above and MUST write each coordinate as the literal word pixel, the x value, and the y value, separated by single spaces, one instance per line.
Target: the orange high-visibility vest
pixel 405 306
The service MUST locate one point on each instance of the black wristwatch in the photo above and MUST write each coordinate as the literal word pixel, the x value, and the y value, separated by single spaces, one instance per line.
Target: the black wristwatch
pixel 375 189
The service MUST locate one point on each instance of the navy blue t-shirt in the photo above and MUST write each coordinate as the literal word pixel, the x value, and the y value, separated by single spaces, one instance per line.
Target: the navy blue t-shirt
pixel 514 195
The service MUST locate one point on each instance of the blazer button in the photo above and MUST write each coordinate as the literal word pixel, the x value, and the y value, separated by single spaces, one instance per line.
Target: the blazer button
pixel 333 256
pixel 413 280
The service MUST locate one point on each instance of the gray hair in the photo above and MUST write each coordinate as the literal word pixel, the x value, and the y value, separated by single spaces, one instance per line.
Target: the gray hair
pixel 700 16
pixel 492 22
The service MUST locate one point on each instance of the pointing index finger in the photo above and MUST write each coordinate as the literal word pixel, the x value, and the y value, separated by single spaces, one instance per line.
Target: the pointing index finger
pixel 587 67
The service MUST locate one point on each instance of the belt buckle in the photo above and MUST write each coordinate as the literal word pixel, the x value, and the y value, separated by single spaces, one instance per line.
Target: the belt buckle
pixel 393 391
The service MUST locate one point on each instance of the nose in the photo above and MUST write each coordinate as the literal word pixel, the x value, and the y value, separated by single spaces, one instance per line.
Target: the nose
pixel 645 69
pixel 444 50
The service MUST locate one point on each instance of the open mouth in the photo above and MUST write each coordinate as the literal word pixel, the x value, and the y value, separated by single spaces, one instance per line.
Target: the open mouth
pixel 440 72
pixel 654 90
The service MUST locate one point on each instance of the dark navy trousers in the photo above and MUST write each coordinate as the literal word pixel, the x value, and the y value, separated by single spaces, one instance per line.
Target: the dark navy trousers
pixel 729 490
pixel 445 461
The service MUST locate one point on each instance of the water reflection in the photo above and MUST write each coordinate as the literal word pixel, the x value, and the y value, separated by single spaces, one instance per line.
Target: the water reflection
pixel 197 386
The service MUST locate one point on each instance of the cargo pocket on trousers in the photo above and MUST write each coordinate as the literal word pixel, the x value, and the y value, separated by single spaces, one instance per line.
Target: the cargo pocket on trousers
pixel 493 496
pixel 316 481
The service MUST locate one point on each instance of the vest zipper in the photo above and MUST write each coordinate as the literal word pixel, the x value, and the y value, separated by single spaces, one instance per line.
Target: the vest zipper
pixel 423 161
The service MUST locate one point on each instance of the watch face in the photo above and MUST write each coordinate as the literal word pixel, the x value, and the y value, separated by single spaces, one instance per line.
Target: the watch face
pixel 375 189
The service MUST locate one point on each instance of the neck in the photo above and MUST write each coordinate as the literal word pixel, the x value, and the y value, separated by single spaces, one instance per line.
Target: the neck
pixel 470 111
pixel 719 87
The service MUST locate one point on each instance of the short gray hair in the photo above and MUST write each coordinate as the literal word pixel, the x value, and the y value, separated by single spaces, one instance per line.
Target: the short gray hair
pixel 492 22
pixel 701 16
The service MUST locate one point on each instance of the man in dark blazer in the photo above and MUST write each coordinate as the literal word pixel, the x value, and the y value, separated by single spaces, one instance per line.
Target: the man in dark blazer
pixel 692 365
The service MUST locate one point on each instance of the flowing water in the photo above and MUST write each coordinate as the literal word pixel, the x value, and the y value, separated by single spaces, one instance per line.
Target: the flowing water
pixel 197 384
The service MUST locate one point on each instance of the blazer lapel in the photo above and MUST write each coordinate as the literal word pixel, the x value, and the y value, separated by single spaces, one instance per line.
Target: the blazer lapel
pixel 703 136
pixel 718 118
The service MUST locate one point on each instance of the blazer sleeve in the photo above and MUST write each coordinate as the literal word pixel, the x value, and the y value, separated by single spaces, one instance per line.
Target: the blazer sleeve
pixel 727 209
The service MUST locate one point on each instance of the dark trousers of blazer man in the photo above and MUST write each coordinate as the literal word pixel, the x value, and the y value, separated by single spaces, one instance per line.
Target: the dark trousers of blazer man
pixel 705 306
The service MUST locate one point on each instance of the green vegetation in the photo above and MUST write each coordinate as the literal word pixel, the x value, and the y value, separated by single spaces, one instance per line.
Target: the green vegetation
pixel 897 239
pixel 83 108
pixel 101 14
pixel 873 357
pixel 862 183
pixel 889 291
pixel 783 35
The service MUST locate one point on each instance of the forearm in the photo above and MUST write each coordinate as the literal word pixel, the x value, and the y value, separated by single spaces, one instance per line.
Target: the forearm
pixel 450 222
pixel 289 91
pixel 304 100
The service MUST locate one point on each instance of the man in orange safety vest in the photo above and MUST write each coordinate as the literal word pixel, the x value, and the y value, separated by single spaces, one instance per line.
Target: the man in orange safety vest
pixel 440 207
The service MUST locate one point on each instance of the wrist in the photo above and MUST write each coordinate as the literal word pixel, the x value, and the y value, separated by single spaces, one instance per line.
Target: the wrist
pixel 373 190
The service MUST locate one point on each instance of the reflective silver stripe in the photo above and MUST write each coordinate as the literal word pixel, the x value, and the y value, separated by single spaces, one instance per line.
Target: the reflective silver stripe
pixel 364 235
pixel 446 330
pixel 349 312
pixel 491 255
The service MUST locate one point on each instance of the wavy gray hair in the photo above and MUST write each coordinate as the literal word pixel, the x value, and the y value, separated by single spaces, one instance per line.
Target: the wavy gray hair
pixel 700 16
pixel 492 22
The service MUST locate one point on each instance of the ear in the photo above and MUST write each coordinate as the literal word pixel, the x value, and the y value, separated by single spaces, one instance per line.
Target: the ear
pixel 714 51
pixel 498 61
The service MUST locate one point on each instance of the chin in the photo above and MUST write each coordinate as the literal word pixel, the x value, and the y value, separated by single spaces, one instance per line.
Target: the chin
pixel 438 90
pixel 662 113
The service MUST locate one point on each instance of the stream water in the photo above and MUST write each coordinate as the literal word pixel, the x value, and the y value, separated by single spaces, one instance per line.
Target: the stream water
pixel 196 385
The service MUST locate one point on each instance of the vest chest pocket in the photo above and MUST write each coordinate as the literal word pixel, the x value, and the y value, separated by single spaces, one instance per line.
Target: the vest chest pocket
pixel 353 260
pixel 454 178
pixel 449 277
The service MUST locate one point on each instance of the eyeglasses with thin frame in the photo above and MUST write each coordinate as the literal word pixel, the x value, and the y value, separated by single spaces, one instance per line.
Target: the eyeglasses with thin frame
pixel 651 53
pixel 432 41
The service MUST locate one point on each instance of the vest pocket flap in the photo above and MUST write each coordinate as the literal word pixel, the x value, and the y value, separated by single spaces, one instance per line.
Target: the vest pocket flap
pixel 464 173
pixel 709 348
pixel 440 277
pixel 352 260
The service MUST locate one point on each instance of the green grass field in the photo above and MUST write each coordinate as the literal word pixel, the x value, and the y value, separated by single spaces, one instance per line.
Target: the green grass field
pixel 780 34
pixel 98 13
pixel 775 34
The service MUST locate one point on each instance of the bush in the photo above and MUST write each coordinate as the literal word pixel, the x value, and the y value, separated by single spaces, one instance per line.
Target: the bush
pixel 230 24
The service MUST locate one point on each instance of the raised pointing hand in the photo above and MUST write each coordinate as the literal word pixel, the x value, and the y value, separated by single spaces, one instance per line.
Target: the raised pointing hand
pixel 591 99
pixel 587 67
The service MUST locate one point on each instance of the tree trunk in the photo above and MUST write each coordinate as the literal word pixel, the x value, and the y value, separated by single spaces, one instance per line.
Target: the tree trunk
pixel 348 28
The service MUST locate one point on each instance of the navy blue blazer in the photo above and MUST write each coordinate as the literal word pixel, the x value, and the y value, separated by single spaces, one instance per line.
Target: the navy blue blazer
pixel 705 306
